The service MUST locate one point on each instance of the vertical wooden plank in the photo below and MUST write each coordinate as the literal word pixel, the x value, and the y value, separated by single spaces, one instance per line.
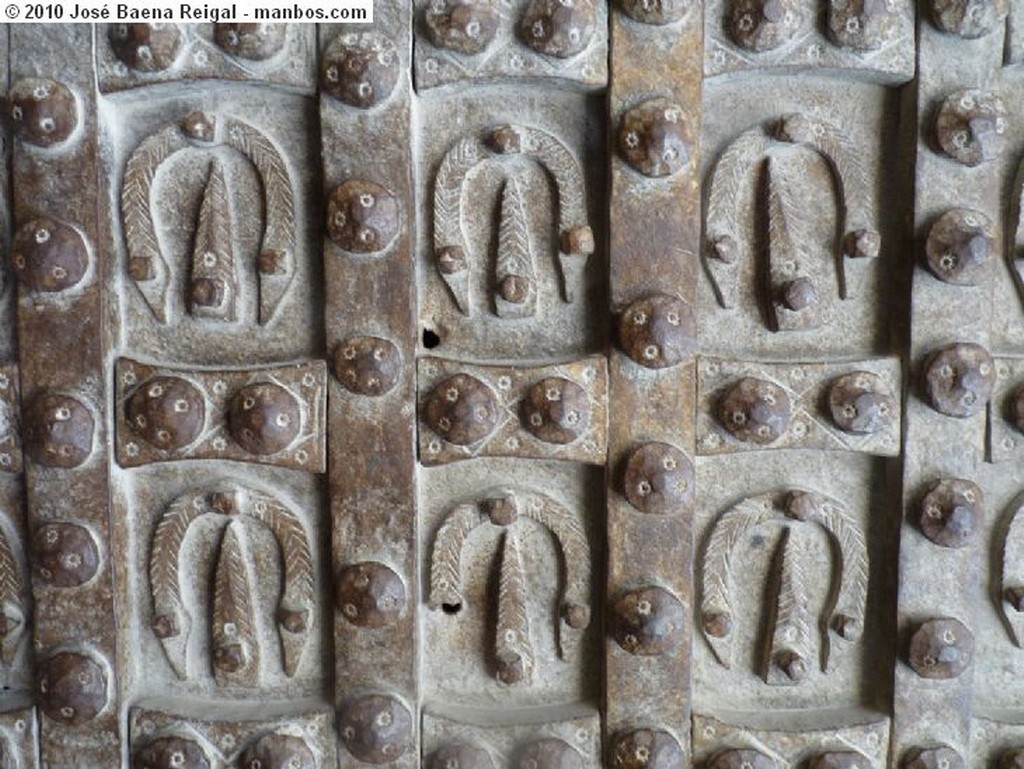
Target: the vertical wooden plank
pixel 365 113
pixel 61 338
pixel 655 103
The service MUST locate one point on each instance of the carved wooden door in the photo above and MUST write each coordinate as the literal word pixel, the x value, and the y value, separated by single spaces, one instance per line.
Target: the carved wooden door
pixel 533 384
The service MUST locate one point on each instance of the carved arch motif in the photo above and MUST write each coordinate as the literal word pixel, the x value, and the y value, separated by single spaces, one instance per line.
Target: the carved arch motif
pixel 233 508
pixel 451 249
pixel 147 266
pixel 844 611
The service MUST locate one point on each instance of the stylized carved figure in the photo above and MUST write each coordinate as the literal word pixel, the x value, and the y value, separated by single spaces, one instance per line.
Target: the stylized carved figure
pixel 788 658
pixel 147 265
pixel 235 643
pixel 514 649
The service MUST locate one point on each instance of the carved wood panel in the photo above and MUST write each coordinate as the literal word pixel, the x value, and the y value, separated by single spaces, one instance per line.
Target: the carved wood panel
pixel 540 384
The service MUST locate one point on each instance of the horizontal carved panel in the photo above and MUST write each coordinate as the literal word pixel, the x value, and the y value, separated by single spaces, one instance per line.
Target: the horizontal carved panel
pixel 265 415
pixel 548 412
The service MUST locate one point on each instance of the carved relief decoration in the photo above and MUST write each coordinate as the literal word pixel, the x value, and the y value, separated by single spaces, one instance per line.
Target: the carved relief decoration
pixel 790 656
pixel 507 148
pixel 236 642
pixel 512 510
pixel 214 268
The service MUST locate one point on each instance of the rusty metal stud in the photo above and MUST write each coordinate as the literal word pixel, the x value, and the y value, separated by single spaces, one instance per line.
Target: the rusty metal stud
pixel 755 411
pixel 369 594
pixel 362 216
pixel 648 621
pixel 959 245
pixel 255 42
pixel 659 479
pixel 951 512
pixel 42 111
pixel 970 19
pixel 559 28
pixel 168 412
pixel 1011 759
pixel 64 554
pixel 1017 408
pixel 840 759
pixel 145 47
pixel 72 688
pixel 463 26
pixel 658 331
pixel 941 648
pixel 938 757
pixel 375 728
pixel 502 510
pixel 859 404
pixel 264 418
pixel 959 379
pixel 170 753
pixel 549 753
pixel 970 126
pixel 49 256
pixel 861 25
pixel 762 25
pixel 58 431
pixel 462 410
pixel 655 138
pixel 646 749
pixel 460 755
pixel 799 294
pixel 741 758
pixel 655 11
pixel 367 365
pixel 278 751
pixel 717 624
pixel 360 69
pixel 556 410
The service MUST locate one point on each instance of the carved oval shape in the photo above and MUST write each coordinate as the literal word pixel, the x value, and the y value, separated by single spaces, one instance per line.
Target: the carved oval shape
pixel 840 759
pixel 278 751
pixel 362 216
pixel 970 19
pixel 959 380
pixel 655 11
pixel 659 479
pixel 647 749
pixel 741 758
pixel 369 594
pixel 959 245
pixel 49 255
pixel 461 755
pixel 58 431
pixel 463 26
pixel 556 410
pixel 264 418
pixel 971 125
pixel 367 365
pixel 145 47
pixel 860 25
pixel 859 404
pixel 658 331
pixel 170 753
pixel 255 42
pixel 462 410
pixel 951 512
pixel 168 412
pixel 941 648
pixel 549 753
pixel 360 70
pixel 655 138
pixel 64 554
pixel 72 688
pixel 755 411
pixel 1012 759
pixel 559 28
pixel 43 112
pixel 938 757
pixel 376 728
pixel 648 621
pixel 763 25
